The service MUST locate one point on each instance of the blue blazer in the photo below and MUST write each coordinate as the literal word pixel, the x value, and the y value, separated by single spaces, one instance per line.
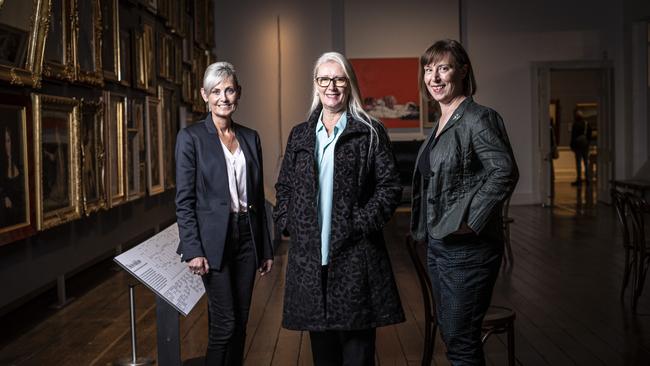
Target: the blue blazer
pixel 203 198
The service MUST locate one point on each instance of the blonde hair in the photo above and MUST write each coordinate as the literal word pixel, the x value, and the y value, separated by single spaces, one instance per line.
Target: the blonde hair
pixel 354 106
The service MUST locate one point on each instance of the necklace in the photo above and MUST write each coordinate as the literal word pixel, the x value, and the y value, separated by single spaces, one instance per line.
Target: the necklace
pixel 229 139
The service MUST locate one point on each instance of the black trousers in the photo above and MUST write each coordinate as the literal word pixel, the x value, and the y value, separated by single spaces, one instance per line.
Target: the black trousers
pixel 342 347
pixel 229 296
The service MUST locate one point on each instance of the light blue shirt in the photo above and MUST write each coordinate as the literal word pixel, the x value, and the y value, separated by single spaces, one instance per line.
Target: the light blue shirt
pixel 325 160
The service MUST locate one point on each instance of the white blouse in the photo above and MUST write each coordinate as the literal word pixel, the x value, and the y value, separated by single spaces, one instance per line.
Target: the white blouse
pixel 236 165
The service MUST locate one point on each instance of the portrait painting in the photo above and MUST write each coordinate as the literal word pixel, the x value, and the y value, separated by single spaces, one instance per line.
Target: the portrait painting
pixel 14 177
pixel 154 127
pixel 390 92
pixel 57 160
pixel 23 26
pixel 136 151
pixel 92 156
pixel 110 39
pixel 88 43
pixel 115 148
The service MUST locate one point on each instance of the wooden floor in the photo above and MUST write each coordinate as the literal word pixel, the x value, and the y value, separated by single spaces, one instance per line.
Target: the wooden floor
pixel 564 287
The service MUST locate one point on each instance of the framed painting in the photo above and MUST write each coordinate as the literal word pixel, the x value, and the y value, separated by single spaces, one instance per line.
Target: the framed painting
pixel 88 51
pixel 170 127
pixel 154 131
pixel 56 137
pixel 200 22
pixel 125 57
pixel 110 39
pixel 149 38
pixel 23 27
pixel 389 87
pixel 136 152
pixel 115 122
pixel 187 83
pixel 60 46
pixel 92 156
pixel 140 59
pixel 16 196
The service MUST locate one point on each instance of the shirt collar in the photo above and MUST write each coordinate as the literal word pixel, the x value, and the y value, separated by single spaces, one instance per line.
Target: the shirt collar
pixel 339 126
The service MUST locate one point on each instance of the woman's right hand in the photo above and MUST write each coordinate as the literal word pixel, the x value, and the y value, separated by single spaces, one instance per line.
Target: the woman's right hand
pixel 199 265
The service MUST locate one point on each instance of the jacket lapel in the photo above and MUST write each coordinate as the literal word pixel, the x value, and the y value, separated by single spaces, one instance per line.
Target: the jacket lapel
pixel 456 116
pixel 215 149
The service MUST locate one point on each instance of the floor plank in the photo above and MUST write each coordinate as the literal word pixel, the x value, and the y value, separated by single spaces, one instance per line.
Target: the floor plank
pixel 564 286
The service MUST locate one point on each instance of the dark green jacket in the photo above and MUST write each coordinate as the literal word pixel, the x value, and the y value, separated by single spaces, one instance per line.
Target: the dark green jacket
pixel 473 170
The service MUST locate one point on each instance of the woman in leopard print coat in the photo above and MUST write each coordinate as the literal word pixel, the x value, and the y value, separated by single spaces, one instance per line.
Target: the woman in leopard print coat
pixel 354 288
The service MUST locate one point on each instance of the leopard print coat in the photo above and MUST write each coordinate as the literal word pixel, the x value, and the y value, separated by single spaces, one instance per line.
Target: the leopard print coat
pixel 361 290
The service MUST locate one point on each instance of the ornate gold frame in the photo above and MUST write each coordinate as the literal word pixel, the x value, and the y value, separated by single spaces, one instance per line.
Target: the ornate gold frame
pixel 30 74
pixel 94 77
pixel 136 113
pixel 149 38
pixel 159 185
pixel 113 25
pixel 26 228
pixel 115 127
pixel 97 155
pixel 67 68
pixel 45 220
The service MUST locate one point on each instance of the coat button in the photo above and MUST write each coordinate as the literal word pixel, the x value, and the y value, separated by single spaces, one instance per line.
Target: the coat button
pixel 250 207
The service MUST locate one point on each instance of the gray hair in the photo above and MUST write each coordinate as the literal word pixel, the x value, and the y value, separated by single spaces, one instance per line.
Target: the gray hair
pixel 354 106
pixel 218 72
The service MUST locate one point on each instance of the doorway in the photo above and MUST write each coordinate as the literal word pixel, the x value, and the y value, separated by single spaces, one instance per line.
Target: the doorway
pixel 574 105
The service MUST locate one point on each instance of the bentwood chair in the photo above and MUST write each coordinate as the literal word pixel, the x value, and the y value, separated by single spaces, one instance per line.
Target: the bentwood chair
pixel 497 320
pixel 623 214
pixel 639 209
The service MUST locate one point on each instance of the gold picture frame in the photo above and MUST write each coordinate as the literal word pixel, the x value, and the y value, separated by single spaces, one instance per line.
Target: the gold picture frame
pixel 140 60
pixel 115 137
pixel 56 160
pixel 88 30
pixel 136 152
pixel 60 46
pixel 149 38
pixel 110 39
pixel 170 130
pixel 16 176
pixel 92 156
pixel 25 29
pixel 154 131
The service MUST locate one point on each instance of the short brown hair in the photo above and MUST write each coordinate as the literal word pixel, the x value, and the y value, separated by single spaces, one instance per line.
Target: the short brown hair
pixel 453 48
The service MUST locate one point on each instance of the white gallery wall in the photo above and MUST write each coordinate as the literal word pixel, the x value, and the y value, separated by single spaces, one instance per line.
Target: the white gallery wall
pixel 504 38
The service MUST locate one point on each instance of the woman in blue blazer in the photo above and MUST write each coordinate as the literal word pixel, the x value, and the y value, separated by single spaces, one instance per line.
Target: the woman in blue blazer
pixel 221 213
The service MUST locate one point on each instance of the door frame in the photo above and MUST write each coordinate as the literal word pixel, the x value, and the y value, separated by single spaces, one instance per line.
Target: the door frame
pixel 541 98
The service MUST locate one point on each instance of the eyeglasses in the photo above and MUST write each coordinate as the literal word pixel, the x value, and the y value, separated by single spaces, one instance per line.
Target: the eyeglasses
pixel 324 82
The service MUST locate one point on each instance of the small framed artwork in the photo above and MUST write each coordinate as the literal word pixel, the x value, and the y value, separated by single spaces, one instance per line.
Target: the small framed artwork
pixel 58 183
pixel 60 46
pixel 170 126
pixel 140 60
pixel 92 156
pixel 186 85
pixel 88 51
pixel 115 137
pixel 136 152
pixel 110 39
pixel 154 131
pixel 23 27
pixel 16 196
pixel 125 57
pixel 150 57
pixel 200 25
pixel 391 92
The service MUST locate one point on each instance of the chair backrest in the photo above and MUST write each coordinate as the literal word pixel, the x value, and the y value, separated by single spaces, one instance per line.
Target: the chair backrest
pixel 417 252
pixel 638 208
pixel 622 212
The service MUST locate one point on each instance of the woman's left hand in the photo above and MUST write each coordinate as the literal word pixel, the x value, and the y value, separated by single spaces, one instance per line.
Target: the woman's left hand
pixel 266 267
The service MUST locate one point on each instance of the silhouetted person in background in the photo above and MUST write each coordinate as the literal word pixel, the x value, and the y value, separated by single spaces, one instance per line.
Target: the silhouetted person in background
pixel 580 141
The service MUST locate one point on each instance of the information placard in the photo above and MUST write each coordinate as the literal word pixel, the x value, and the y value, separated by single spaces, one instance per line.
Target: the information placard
pixel 155 263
